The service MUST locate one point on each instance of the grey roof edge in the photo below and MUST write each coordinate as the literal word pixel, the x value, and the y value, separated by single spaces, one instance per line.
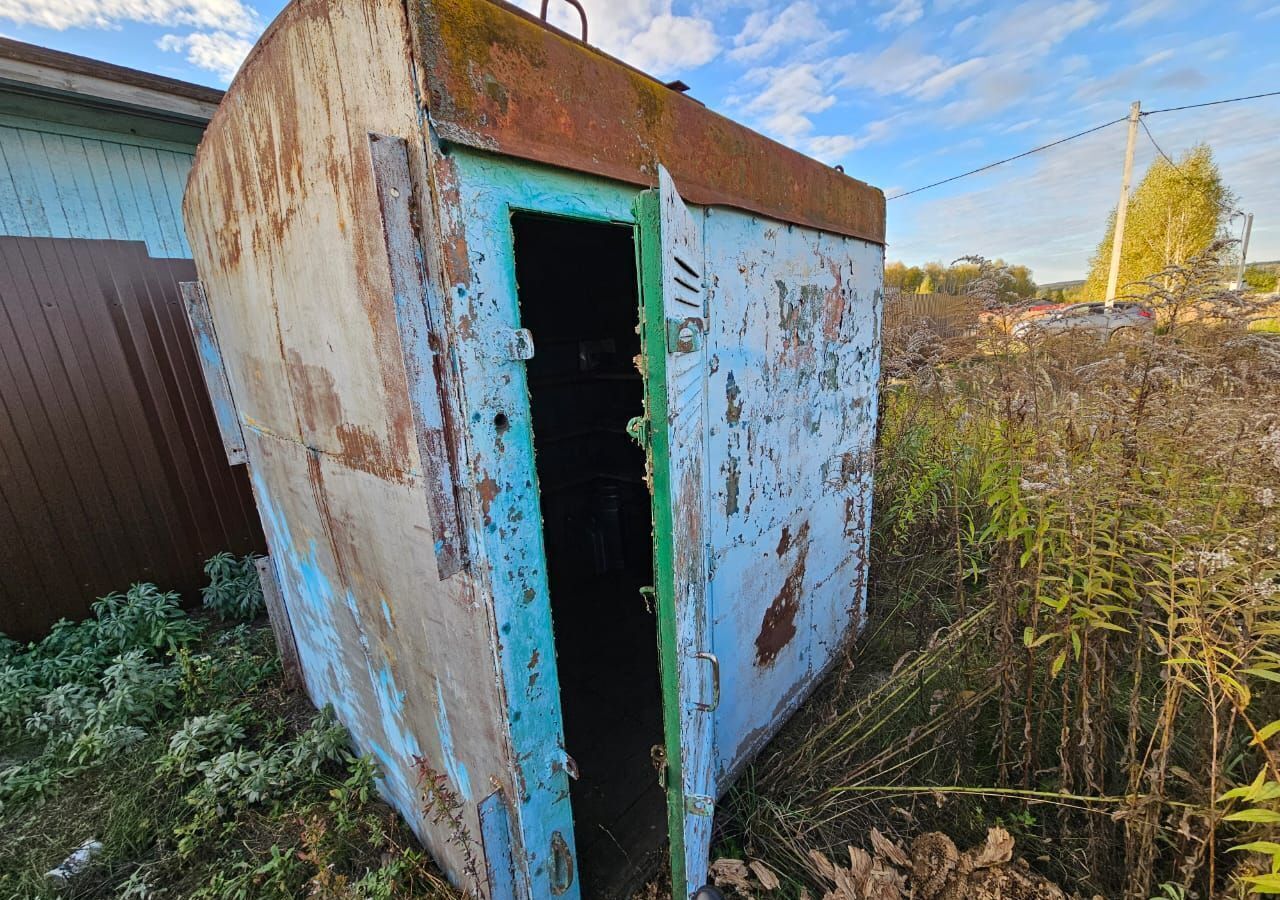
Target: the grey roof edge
pixel 91 81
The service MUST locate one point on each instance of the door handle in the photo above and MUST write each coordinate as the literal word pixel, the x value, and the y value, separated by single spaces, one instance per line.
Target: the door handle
pixel 715 681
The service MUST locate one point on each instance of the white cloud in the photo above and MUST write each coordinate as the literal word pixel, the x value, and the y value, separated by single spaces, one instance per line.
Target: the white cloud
pixel 644 33
pixel 216 51
pixel 904 67
pixel 936 85
pixel 224 29
pixel 901 14
pixel 225 15
pixel 789 97
pixel 835 147
pixel 1144 13
pixel 1036 27
pixel 769 30
pixel 832 146
pixel 672 43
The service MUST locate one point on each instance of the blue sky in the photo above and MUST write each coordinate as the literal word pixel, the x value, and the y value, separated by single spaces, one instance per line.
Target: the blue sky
pixel 901 92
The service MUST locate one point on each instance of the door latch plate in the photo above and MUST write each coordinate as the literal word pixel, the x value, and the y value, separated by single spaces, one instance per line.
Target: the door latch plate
pixel 685 335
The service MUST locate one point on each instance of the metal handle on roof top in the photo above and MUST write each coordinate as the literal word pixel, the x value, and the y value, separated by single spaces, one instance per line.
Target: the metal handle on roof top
pixel 576 5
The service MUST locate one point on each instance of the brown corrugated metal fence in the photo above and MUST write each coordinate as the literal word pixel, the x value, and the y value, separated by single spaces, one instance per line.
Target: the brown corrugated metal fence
pixel 111 466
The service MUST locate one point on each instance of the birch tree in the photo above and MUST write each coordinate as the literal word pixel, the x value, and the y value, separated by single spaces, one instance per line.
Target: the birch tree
pixel 1176 213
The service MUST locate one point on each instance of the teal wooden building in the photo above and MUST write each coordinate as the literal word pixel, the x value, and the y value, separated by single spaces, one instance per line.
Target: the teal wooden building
pixel 111 469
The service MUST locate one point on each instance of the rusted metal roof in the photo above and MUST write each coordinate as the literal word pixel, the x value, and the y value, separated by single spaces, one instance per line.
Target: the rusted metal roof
pixel 499 79
pixel 502 80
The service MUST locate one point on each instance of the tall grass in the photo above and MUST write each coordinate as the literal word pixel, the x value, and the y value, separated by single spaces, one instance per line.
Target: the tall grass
pixel 1075 612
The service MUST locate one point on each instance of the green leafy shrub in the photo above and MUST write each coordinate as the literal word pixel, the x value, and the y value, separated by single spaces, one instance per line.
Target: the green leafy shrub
pixel 90 690
pixel 176 744
pixel 233 591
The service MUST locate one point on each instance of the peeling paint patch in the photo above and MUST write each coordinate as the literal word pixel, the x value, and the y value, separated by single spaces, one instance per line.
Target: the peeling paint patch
pixel 457 771
pixel 488 490
pixel 731 483
pixel 779 624
pixel 733 401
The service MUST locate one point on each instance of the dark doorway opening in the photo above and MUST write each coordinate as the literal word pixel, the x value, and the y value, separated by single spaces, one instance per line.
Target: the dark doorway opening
pixel 578 297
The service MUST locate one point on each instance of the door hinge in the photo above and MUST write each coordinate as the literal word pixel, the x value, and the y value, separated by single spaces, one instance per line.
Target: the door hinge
pixel 638 429
pixel 519 344
pixel 685 335
pixel 658 756
pixel 699 805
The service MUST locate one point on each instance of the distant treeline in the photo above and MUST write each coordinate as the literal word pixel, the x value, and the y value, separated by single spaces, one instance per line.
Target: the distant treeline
pixel 938 278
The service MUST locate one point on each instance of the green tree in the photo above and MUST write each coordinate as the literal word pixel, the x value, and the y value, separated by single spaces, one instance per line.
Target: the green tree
pixel 1023 284
pixel 1175 213
pixel 1260 280
pixel 898 276
pixel 935 277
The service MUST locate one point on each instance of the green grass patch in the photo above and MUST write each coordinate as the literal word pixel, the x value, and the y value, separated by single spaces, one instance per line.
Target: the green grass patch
pixel 169 738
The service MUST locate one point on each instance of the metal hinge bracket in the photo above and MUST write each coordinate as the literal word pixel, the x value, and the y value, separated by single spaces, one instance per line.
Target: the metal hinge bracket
pixel 638 430
pixel 519 345
pixel 699 805
pixel 214 370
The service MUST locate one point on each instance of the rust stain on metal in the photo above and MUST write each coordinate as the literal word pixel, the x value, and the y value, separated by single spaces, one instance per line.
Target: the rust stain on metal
pixel 835 303
pixel 487 489
pixel 733 401
pixel 362 450
pixel 784 540
pixel 779 624
pixel 315 394
pixel 632 121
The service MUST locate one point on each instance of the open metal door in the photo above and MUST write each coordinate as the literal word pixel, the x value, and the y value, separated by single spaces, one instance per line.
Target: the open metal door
pixel 673 317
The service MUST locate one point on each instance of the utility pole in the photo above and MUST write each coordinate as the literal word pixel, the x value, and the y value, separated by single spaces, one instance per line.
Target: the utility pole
pixel 1244 249
pixel 1117 241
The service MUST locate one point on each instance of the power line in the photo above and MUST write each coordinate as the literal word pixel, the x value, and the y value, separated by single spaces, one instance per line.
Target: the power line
pixel 1151 137
pixel 1010 159
pixel 1150 112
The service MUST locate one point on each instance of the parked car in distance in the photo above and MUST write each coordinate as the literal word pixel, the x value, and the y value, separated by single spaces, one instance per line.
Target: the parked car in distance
pixel 1004 319
pixel 1094 317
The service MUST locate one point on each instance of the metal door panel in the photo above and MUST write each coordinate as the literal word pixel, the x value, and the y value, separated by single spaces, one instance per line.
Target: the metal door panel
pixel 791 419
pixel 673 340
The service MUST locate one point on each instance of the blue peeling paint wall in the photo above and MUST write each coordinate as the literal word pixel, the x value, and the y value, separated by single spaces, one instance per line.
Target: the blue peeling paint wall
pixel 66 181
pixel 791 398
pixel 501 470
